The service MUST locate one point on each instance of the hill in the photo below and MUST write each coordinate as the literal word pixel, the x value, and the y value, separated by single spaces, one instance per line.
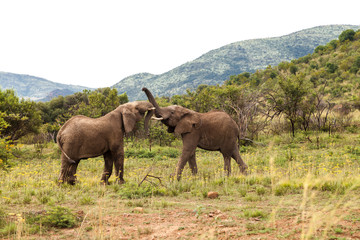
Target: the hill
pixel 35 88
pixel 332 70
pixel 218 65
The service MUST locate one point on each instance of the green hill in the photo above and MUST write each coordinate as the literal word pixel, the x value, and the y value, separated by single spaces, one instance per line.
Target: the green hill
pixel 333 69
pixel 217 65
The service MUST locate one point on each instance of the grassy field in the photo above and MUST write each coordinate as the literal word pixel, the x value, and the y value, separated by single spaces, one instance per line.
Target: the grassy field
pixel 302 188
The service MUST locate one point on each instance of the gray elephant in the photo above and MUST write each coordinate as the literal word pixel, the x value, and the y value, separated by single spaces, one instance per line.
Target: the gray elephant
pixel 214 131
pixel 83 137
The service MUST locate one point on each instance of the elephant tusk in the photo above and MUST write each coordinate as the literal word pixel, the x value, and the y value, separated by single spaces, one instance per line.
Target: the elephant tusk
pixel 151 108
pixel 159 119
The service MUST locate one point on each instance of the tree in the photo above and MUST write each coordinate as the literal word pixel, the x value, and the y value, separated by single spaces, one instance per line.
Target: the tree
pixel 331 67
pixel 287 98
pixel 347 35
pixel 293 69
pixel 21 116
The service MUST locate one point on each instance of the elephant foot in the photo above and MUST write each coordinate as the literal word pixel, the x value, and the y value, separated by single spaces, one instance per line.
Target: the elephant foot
pixel 243 169
pixel 120 181
pixel 104 183
pixel 172 177
pixel 70 181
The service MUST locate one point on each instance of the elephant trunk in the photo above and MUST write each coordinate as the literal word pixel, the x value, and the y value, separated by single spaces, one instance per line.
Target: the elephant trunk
pixel 147 119
pixel 152 101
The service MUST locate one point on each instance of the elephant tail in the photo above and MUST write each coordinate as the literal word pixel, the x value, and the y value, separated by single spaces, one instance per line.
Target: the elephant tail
pixel 71 161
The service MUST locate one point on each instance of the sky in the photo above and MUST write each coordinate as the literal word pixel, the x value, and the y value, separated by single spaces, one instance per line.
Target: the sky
pixel 97 43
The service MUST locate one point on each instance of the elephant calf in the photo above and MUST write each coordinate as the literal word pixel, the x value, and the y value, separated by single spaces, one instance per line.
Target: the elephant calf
pixel 84 137
pixel 214 131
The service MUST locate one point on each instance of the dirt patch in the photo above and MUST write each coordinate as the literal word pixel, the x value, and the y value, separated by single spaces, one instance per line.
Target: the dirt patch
pixel 180 223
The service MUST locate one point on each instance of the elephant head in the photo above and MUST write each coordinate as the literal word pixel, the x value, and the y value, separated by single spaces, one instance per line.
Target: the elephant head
pixel 178 119
pixel 134 111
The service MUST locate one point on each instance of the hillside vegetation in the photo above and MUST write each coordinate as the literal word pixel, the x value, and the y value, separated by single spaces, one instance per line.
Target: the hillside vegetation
pixel 314 92
pixel 217 65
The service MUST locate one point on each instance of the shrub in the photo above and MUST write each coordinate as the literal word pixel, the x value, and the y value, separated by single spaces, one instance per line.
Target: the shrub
pixel 347 35
pixel 260 190
pixel 170 152
pixel 60 217
pixel 6 149
pixel 132 191
pixel 255 214
pixel 86 200
pixel 331 67
pixel 332 186
pixel 284 188
pixel 142 153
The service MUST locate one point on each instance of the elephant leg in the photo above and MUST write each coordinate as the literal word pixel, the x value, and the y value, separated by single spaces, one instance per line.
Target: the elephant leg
pixel 65 167
pixel 192 164
pixel 243 167
pixel 108 167
pixel 72 177
pixel 68 171
pixel 180 167
pixel 227 164
pixel 119 166
pixel 188 154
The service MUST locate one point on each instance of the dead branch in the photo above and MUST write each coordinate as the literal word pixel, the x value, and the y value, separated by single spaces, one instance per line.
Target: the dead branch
pixel 148 175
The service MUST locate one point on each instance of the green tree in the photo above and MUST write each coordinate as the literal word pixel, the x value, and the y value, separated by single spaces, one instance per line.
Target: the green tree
pixel 21 115
pixel 293 69
pixel 347 35
pixel 287 98
pixel 331 67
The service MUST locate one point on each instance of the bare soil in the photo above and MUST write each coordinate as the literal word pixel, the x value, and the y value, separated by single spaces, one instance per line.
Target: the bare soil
pixel 208 219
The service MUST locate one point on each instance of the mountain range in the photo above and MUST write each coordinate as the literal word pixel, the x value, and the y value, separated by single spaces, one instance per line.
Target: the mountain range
pixel 218 65
pixel 35 88
pixel 214 67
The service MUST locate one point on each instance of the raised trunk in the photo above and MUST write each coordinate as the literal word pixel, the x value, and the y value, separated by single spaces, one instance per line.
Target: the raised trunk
pixel 152 101
pixel 147 119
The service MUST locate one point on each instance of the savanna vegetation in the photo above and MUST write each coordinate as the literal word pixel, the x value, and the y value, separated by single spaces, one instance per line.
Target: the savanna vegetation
pixel 299 125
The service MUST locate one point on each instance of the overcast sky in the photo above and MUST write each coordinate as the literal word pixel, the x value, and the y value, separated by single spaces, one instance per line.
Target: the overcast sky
pixel 96 43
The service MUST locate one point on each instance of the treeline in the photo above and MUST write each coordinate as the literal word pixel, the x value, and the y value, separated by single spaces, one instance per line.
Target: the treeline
pixel 39 122
pixel 315 92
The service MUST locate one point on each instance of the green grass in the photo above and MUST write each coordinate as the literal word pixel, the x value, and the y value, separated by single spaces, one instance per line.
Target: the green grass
pixel 287 180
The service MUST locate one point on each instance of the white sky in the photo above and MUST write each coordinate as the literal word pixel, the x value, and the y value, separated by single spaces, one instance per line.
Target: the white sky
pixel 96 43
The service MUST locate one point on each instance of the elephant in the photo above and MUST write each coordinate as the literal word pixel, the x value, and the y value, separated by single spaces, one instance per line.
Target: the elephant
pixel 213 131
pixel 83 137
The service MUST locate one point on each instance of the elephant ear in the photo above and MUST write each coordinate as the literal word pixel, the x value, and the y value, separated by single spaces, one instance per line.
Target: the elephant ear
pixel 188 123
pixel 128 120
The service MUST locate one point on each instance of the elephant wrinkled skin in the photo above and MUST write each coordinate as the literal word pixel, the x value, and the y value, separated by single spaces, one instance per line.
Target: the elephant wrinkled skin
pixel 83 137
pixel 214 131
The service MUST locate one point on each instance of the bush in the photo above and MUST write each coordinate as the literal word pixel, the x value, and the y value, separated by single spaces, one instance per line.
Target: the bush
pixel 60 217
pixel 132 191
pixel 333 186
pixel 284 188
pixel 255 214
pixel 142 153
pixel 331 67
pixel 6 149
pixel 347 35
pixel 145 153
